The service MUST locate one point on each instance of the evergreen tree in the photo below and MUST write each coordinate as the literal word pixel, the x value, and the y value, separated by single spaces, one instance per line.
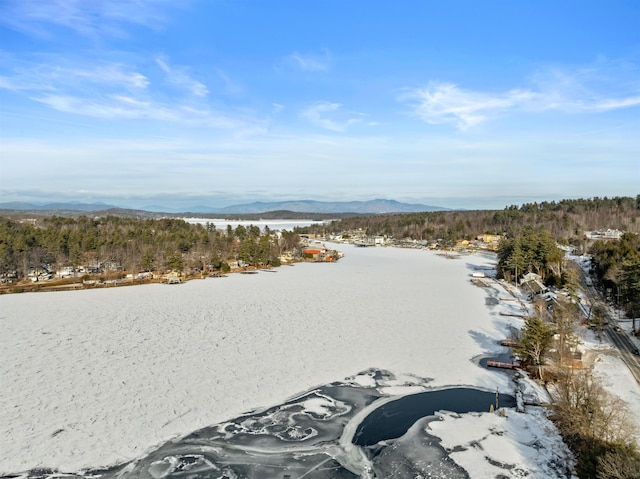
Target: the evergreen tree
pixel 534 341
pixel 263 252
pixel 630 287
pixel 148 260
pixel 247 251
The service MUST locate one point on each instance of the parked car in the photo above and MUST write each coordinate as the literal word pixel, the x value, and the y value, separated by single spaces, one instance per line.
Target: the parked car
pixel 635 351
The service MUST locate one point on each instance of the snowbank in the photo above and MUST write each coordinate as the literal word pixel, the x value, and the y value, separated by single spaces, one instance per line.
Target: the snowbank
pixel 517 445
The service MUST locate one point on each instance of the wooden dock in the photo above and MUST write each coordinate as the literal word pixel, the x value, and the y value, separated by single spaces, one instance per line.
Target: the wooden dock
pixel 499 364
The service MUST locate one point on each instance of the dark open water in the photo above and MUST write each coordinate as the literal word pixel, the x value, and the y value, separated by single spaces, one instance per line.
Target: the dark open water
pixel 301 439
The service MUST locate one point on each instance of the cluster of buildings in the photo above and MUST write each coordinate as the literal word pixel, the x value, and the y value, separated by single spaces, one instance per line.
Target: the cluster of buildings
pixel 315 250
pixel 360 238
pixel 46 272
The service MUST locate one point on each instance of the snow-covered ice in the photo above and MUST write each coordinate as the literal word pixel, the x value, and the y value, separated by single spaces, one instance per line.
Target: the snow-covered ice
pixel 517 445
pixel 98 377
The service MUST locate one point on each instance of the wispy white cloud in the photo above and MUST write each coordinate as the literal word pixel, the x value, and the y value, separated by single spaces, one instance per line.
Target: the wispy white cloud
pixel 112 90
pixel 229 86
pixel 179 77
pixel 115 107
pixel 113 74
pixel 328 115
pixel 23 83
pixel 601 87
pixel 310 62
pixel 446 103
pixel 584 91
pixel 614 104
pixel 56 75
pixel 87 18
pixel 111 107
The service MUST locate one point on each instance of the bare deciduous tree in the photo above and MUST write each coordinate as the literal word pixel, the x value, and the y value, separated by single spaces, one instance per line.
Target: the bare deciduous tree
pixel 619 464
pixel 596 425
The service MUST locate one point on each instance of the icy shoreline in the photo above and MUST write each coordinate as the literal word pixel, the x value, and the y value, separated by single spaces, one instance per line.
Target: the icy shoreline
pixel 97 378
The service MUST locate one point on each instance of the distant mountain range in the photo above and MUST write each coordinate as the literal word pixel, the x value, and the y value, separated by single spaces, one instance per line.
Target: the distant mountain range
pixel 309 206
pixel 377 206
pixel 71 206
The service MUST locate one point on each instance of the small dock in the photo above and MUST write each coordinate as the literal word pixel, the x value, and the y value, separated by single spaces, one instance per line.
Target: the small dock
pixel 499 364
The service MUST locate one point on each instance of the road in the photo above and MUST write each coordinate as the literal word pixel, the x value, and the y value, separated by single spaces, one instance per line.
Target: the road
pixel 620 339
pixel 625 346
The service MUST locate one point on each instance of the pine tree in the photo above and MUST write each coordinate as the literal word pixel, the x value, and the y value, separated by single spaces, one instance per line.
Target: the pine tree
pixel 535 338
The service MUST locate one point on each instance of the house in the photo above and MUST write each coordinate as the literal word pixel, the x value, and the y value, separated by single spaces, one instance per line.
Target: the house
pixel 286 257
pixel 487 238
pixel 321 254
pixel 488 241
pixel 65 272
pixel 379 240
pixel 111 266
pixel 172 278
pixel 311 253
pixel 549 296
pixel 531 277
pixel 608 234
pixel 532 283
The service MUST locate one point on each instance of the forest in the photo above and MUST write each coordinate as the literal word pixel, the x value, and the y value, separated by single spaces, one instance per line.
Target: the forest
pixel 133 245
pixel 566 221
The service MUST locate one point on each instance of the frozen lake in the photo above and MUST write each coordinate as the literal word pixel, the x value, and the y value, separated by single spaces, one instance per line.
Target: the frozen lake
pixel 99 377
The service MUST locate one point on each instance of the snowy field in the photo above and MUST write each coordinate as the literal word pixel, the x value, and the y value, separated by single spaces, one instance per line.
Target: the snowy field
pixel 99 377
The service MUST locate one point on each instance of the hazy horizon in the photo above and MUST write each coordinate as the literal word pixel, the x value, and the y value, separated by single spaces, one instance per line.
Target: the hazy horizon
pixel 200 205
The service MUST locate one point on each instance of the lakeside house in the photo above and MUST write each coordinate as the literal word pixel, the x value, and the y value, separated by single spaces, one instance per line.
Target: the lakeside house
pixel 488 241
pixel 532 283
pixel 317 251
pixel 65 272
pixel 608 234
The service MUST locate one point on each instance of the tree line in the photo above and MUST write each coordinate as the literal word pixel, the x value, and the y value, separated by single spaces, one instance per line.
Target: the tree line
pixel 566 221
pixel 617 266
pixel 133 244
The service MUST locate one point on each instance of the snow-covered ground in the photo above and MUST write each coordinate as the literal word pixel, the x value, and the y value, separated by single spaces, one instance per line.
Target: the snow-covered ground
pixel 617 380
pixel 98 377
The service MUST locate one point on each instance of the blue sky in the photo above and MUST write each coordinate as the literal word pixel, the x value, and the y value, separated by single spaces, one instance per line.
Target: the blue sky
pixel 463 104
